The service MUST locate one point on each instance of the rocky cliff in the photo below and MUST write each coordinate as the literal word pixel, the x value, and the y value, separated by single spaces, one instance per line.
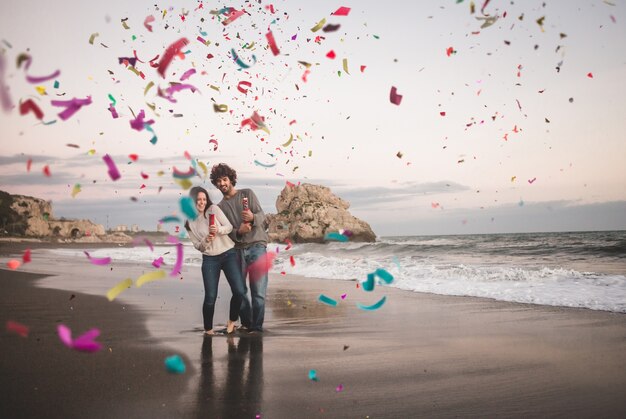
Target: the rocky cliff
pixel 306 213
pixel 32 217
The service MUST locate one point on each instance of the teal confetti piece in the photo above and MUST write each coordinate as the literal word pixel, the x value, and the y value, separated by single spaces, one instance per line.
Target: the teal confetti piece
pixel 112 99
pixel 335 237
pixel 54 121
pixel 238 60
pixel 56 84
pixel 170 219
pixel 187 206
pixel 375 306
pixel 384 275
pixel 154 137
pixel 175 364
pixel 368 284
pixel 327 300
pixel 258 163
pixel 313 375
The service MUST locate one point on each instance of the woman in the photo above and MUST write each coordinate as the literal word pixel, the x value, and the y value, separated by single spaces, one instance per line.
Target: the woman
pixel 218 254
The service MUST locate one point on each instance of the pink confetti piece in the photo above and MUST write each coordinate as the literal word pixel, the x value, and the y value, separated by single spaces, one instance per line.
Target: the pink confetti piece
pixel 46 171
pixel 42 79
pixel 113 111
pixel 179 255
pixel 272 43
pixel 342 11
pixel 71 106
pixel 170 53
pixel 30 106
pixel 84 343
pixel 147 21
pixel 188 74
pixel 157 262
pixel 13 264
pixel 17 328
pixel 138 123
pixel 394 97
pixel 339 388
pixel 214 142
pixel 343 296
pixel 113 172
pixel 261 266
pixel 97 261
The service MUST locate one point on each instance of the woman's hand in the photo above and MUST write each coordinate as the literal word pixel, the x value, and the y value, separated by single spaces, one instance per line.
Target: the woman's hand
pixel 212 230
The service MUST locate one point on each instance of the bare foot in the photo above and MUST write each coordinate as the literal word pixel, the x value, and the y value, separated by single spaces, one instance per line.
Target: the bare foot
pixel 209 332
pixel 230 327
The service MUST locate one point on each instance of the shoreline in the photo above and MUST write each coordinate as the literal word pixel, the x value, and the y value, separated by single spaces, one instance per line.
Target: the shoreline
pixel 419 355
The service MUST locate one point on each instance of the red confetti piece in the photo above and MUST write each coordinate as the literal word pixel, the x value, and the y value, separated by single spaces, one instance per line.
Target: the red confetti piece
pixel 232 16
pixel 363 68
pixel 442 113
pixel 170 52
pixel 30 106
pixel 272 42
pixel 17 328
pixel 450 51
pixel 394 97
pixel 289 244
pixel 46 171
pixel 331 54
pixel 133 157
pixel 13 264
pixel 144 176
pixel 342 11
pixel 26 256
pixel 29 163
pixel 261 266
pixel 590 75
pixel 244 83
pixel 292 260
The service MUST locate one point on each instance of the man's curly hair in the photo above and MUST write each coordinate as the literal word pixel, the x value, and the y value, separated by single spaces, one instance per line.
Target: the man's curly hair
pixel 221 170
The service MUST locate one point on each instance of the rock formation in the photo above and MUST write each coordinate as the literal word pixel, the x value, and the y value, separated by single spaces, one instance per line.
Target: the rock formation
pixel 306 213
pixel 32 217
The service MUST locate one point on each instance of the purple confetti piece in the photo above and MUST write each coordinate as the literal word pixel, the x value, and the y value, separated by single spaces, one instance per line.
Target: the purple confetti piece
pixel 113 172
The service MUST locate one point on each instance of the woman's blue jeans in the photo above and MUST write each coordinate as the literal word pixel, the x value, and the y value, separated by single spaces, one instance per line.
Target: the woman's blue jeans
pixel 211 267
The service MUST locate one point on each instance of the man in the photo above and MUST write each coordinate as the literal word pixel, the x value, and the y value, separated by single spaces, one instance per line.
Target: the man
pixel 250 240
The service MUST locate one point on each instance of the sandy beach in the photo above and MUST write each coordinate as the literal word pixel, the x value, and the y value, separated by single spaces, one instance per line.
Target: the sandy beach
pixel 420 355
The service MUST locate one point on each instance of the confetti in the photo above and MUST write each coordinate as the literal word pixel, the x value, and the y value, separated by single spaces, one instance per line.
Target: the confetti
pixel 119 288
pixel 13 264
pixel 46 171
pixel 241 63
pixel 71 106
pixel 368 284
pixel 261 266
pixel 339 388
pixel 84 343
pixel 272 43
pixel 258 163
pixel 26 256
pixel 175 364
pixel 331 54
pixel 292 260
pixel 334 236
pixel 232 16
pixel 76 190
pixel 374 306
pixel 149 277
pixel 244 83
pixel 17 328
pixel 327 300
pixel 97 261
pixel 384 275
pixel 342 11
pixel 179 256
pixel 93 37
pixel 5 97
pixel 313 375
pixel 188 207
pixel 183 175
pixel 157 262
pixel 394 97
pixel 113 172
pixel 319 25
pixel 30 106
pixel 147 21
pixel 170 53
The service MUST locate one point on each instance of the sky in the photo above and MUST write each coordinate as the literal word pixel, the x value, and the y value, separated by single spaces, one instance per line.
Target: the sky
pixel 516 126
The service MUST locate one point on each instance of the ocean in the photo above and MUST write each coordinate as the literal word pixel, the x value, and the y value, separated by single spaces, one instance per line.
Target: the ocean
pixel 574 269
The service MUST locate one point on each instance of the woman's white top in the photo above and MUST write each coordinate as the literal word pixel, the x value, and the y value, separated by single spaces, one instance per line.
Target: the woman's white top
pixel 199 231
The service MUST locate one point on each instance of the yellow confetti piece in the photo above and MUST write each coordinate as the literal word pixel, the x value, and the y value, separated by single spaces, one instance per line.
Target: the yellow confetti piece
pixel 310 153
pixel 160 173
pixel 41 90
pixel 91 152
pixel 319 25
pixel 184 183
pixel 289 141
pixel 204 168
pixel 153 107
pixel 214 87
pixel 76 190
pixel 345 66
pixel 149 277
pixel 121 286
pixel 148 87
pixel 134 70
pixel 125 25
pixel 220 108
pixel 92 37
pixel 249 46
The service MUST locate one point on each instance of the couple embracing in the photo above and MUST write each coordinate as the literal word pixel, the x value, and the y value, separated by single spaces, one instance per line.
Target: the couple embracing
pixel 230 236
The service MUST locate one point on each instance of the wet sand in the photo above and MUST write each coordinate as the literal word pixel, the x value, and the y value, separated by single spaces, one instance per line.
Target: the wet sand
pixel 419 355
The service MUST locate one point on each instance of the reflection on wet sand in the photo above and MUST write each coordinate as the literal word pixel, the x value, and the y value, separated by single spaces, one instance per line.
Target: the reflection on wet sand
pixel 233 389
